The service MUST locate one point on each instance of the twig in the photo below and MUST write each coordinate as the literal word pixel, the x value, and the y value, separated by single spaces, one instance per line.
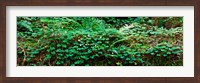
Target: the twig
pixel 49 62
pixel 24 59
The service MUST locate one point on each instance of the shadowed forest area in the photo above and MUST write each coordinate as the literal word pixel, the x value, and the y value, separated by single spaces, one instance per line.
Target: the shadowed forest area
pixel 99 41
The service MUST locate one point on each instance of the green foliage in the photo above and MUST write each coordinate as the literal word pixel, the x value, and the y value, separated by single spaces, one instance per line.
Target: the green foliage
pixel 118 22
pixel 99 41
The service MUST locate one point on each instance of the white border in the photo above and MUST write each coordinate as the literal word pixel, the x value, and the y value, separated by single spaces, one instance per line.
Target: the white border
pixel 100 71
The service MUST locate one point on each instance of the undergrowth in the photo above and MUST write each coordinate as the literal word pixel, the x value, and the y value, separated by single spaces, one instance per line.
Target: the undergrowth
pixel 99 41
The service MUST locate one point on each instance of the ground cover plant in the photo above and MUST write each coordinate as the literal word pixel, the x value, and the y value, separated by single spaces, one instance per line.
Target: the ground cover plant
pixel 99 41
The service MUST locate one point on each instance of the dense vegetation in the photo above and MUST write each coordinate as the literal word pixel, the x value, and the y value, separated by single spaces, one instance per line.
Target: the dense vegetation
pixel 99 41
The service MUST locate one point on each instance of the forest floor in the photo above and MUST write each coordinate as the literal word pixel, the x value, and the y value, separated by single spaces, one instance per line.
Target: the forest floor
pixel 99 41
